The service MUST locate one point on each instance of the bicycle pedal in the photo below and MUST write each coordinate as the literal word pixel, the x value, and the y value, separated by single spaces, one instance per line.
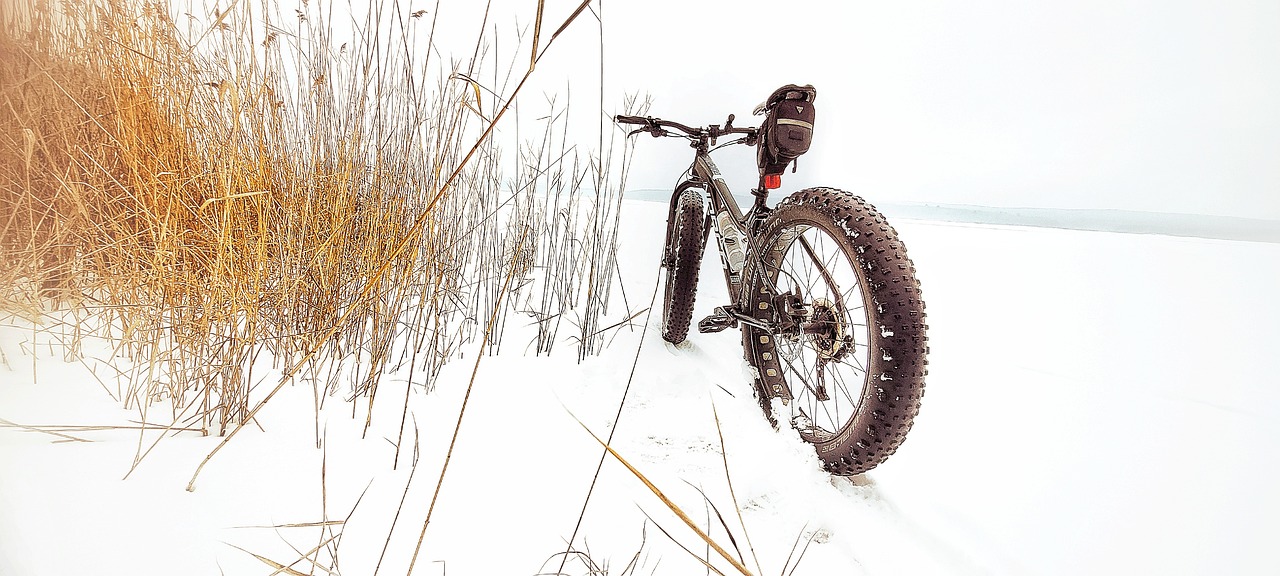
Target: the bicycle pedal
pixel 717 322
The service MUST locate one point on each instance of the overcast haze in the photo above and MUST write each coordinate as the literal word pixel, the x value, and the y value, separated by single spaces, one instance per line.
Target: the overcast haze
pixel 1134 105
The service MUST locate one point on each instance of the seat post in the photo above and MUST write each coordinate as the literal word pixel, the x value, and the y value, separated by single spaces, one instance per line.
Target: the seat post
pixel 760 208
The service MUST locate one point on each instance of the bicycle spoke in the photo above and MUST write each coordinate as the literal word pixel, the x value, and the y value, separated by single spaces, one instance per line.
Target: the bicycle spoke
pixel 833 421
pixel 854 294
pixel 831 350
pixel 795 355
pixel 802 365
pixel 824 271
pixel 845 388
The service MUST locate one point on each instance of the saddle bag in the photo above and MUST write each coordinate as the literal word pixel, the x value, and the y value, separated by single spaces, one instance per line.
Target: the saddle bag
pixel 787 129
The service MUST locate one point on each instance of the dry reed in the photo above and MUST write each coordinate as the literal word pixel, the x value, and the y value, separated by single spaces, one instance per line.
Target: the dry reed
pixel 228 194
pixel 233 195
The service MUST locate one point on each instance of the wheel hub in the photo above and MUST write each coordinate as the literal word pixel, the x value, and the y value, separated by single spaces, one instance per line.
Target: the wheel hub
pixel 826 325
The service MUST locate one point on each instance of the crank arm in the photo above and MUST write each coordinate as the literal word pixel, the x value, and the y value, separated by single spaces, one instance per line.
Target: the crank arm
pixel 750 320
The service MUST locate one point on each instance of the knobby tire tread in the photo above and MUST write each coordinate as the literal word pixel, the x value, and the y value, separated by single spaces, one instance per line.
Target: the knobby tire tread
pixel 894 383
pixel 682 276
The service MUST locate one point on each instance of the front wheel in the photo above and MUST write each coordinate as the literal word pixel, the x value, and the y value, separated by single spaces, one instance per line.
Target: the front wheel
pixel 683 259
pixel 847 352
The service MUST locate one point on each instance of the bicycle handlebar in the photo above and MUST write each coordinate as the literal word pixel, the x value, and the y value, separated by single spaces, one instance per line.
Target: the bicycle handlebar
pixel 657 127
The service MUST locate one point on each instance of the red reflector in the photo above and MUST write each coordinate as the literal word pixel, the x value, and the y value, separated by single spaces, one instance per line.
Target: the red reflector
pixel 772 181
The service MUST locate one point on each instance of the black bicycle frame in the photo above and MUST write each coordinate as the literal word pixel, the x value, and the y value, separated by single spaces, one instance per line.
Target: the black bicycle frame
pixel 733 229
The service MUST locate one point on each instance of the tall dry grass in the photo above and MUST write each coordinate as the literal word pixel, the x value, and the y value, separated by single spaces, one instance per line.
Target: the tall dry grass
pixel 236 193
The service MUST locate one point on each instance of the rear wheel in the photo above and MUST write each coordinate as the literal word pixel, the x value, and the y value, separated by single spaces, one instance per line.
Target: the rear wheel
pixel 847 357
pixel 683 261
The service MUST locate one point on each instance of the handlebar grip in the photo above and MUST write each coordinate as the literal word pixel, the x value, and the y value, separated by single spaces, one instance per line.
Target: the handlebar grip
pixel 623 119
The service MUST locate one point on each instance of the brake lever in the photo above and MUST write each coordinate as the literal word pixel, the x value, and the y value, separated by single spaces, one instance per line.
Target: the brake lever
pixel 649 126
pixel 653 130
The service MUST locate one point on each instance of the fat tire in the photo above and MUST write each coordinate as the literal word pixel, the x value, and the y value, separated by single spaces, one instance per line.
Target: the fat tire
pixel 897 346
pixel 686 246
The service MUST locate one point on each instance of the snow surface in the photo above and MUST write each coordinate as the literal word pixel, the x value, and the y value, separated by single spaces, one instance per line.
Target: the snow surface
pixel 1097 403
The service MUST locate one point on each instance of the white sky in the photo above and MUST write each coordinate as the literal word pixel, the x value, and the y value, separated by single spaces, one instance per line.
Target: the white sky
pixel 1127 104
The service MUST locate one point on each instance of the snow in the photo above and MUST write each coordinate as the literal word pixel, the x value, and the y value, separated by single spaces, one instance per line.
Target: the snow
pixel 1097 403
